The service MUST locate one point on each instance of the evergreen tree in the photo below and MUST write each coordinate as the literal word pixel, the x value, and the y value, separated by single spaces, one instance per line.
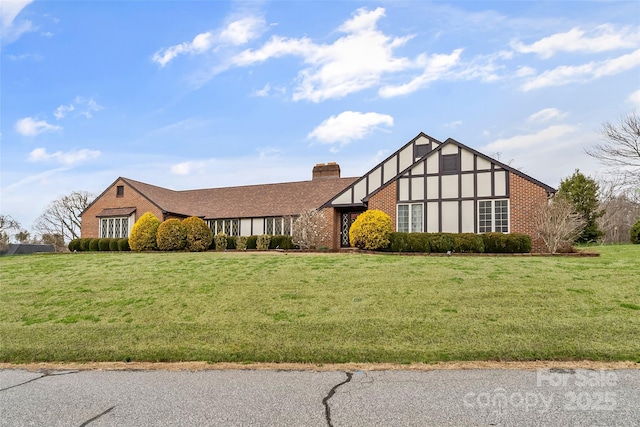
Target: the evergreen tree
pixel 582 192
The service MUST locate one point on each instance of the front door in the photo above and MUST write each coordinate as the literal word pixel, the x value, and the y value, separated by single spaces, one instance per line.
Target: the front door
pixel 346 219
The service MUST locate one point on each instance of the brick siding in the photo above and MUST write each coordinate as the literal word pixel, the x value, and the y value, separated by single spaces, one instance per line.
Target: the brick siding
pixel 385 200
pixel 91 223
pixel 525 197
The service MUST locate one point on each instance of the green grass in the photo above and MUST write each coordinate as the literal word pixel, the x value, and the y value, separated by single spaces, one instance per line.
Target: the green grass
pixel 319 308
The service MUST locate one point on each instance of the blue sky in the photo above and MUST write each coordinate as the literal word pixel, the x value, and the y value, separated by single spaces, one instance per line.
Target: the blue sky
pixel 210 93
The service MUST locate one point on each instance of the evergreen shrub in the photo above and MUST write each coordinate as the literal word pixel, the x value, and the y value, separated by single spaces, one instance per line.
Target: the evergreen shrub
pixel 371 230
pixel 171 235
pixel 199 235
pixel 262 244
pixel 144 233
pixel 241 243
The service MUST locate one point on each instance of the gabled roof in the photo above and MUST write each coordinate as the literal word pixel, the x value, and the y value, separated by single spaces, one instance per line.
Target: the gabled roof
pixel 289 198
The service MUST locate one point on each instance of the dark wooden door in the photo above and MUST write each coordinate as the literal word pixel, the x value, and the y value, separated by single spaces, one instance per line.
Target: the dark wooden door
pixel 346 219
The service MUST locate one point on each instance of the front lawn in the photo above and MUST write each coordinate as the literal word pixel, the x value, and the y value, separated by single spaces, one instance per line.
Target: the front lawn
pixel 319 308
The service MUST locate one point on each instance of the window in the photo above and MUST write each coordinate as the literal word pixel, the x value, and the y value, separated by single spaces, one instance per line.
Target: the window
pixel 278 226
pixel 493 215
pixel 230 227
pixel 114 227
pixel 120 191
pixel 420 150
pixel 450 163
pixel 410 218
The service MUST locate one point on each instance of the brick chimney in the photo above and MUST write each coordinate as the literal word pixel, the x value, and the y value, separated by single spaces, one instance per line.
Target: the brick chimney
pixel 328 171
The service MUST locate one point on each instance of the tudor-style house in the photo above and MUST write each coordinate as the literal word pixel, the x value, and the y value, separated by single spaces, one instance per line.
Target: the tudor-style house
pixel 425 186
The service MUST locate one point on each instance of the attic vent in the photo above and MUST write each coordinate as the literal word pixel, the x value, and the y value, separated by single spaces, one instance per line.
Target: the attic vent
pixel 420 150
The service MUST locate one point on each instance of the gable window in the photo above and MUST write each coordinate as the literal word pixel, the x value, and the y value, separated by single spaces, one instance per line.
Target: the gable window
pixel 115 228
pixel 120 191
pixel 420 150
pixel 493 216
pixel 410 218
pixel 450 163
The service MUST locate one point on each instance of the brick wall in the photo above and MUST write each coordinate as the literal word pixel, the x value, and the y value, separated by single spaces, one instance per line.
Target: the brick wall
pixel 131 198
pixel 525 197
pixel 332 221
pixel 385 200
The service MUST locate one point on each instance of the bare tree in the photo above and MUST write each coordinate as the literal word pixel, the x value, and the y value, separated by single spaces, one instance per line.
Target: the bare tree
pixel 309 230
pixel 621 207
pixel 7 223
pixel 62 216
pixel 558 224
pixel 621 147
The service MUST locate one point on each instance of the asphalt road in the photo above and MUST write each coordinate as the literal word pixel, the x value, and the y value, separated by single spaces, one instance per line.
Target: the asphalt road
pixel 300 398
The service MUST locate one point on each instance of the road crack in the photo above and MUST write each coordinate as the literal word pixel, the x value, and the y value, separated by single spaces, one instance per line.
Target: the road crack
pixel 97 416
pixel 325 401
pixel 45 373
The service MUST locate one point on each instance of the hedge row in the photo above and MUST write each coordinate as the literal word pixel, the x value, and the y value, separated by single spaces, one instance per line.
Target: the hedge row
pixel 275 242
pixel 460 242
pixel 89 244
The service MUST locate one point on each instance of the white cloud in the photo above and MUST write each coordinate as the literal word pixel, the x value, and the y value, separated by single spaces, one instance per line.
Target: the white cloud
pixel 235 33
pixel 88 106
pixel 62 111
pixel 435 67
pixel 264 91
pixel 546 114
pixel 357 60
pixel 187 168
pixel 567 74
pixel 349 126
pixel 603 38
pixel 10 28
pixel 634 99
pixel 540 138
pixel 524 71
pixel 31 127
pixel 68 158
pixel 453 125
pixel 242 31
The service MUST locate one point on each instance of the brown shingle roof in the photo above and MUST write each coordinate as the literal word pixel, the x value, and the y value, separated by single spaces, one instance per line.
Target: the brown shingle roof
pixel 116 212
pixel 289 198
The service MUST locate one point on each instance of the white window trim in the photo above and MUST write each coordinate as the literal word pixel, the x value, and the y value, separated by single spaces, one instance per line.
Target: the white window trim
pixel 493 215
pixel 130 221
pixel 410 216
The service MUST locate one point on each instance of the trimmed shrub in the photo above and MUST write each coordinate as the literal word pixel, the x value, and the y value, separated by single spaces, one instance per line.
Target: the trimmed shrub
pixel 281 242
pixel 103 244
pixel 371 230
pixel 419 242
pixel 94 245
pixel 634 235
pixel 74 245
pixel 84 244
pixel 221 241
pixel 399 242
pixel 494 243
pixel 468 242
pixel 518 243
pixel 123 245
pixel 252 242
pixel 113 245
pixel 231 242
pixel 241 243
pixel 144 233
pixel 199 235
pixel 263 241
pixel 442 242
pixel 171 235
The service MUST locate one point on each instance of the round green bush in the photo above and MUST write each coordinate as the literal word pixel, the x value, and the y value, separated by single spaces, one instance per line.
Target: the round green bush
pixel 634 235
pixel 252 242
pixel 94 245
pixel 74 245
pixel 172 235
pixel 123 245
pixel 199 235
pixel 113 245
pixel 371 230
pixel 84 244
pixel 144 232
pixel 103 244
